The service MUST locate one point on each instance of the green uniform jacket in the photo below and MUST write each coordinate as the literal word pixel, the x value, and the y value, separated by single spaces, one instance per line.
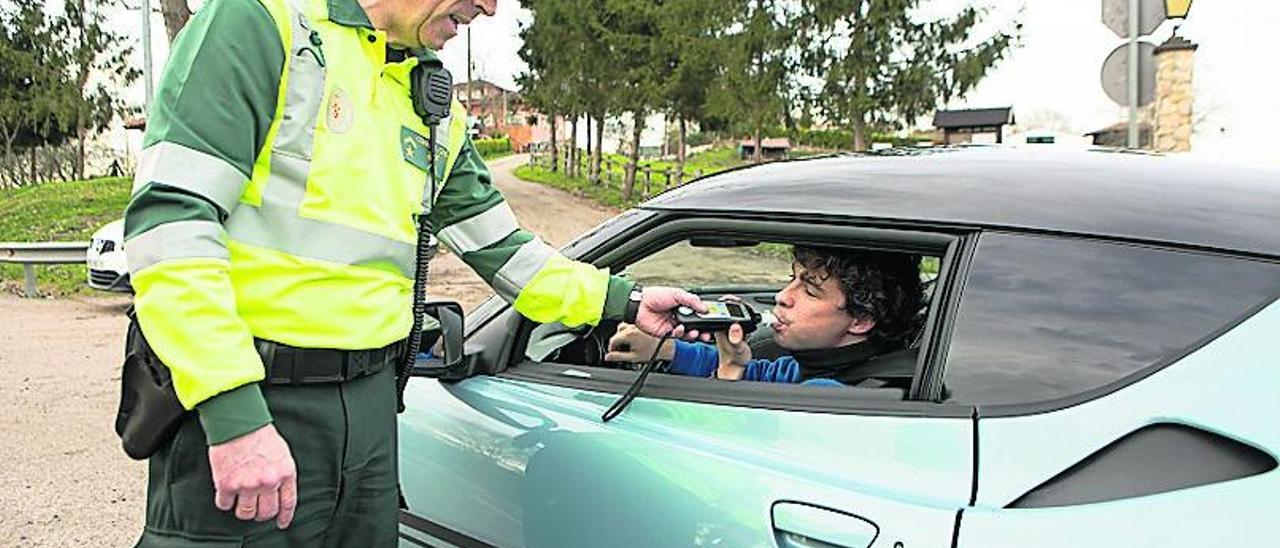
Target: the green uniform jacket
pixel 275 198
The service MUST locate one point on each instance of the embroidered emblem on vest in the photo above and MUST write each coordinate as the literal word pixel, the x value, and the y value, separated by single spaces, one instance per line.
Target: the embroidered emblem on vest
pixel 341 114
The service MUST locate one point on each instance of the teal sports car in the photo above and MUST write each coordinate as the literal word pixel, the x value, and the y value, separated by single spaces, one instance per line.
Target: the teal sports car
pixel 1098 365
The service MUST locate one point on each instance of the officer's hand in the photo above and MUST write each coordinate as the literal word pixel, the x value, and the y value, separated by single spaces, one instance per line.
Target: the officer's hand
pixel 255 474
pixel 657 312
pixel 734 353
pixel 631 344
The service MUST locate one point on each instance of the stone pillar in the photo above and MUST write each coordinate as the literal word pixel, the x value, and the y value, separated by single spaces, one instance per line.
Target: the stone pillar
pixel 1175 61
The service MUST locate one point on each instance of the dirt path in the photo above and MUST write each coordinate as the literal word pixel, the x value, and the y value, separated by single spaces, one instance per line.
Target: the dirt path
pixel 552 214
pixel 64 480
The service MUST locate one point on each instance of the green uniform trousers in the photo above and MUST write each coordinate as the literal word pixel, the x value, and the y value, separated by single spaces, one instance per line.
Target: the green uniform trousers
pixel 343 440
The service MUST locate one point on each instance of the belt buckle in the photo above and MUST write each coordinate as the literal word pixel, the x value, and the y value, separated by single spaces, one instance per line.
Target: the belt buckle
pixel 356 364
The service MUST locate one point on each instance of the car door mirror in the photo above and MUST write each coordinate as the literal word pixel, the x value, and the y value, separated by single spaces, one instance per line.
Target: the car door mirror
pixel 441 356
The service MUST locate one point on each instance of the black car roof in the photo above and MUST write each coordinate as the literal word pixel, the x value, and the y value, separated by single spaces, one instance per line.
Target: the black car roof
pixel 1144 197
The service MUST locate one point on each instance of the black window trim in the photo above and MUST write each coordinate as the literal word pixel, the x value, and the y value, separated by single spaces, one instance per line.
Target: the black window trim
pixel 1065 402
pixel 953 274
pixel 660 231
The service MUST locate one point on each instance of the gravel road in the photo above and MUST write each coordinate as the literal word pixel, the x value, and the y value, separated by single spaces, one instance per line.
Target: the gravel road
pixel 65 481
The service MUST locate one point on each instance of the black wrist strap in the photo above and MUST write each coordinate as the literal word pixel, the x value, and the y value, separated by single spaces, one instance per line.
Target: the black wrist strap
pixel 633 305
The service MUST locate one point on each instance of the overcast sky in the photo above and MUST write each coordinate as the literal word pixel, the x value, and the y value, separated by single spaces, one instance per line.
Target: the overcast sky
pixel 1055 73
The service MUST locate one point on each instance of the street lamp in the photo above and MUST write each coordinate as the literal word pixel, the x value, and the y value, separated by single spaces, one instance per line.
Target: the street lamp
pixel 1177 9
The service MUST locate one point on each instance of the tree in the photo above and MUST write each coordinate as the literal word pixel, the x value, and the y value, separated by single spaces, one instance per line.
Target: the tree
pixel 590 75
pixel 99 63
pixel 878 63
pixel 36 99
pixel 545 84
pixel 176 13
pixel 754 42
pixel 687 46
pixel 631 38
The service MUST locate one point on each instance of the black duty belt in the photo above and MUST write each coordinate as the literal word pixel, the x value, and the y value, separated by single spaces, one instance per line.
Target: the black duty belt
pixel 292 365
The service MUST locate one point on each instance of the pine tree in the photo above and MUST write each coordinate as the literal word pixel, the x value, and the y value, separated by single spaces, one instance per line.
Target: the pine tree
pixel 754 71
pixel 878 63
pixel 36 97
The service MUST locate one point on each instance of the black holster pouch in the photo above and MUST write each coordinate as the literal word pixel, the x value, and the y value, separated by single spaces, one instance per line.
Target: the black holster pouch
pixel 150 412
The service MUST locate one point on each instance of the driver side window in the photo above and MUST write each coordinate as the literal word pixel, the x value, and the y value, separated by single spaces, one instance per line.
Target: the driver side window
pixel 768 276
pixel 763 265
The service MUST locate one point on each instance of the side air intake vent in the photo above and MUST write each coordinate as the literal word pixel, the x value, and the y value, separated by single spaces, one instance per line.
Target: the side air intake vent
pixel 1154 459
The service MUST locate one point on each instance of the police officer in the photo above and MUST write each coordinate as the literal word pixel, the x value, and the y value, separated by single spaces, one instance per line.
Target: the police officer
pixel 271 240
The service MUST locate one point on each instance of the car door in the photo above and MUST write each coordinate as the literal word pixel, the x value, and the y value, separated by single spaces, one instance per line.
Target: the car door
pixel 1125 394
pixel 522 457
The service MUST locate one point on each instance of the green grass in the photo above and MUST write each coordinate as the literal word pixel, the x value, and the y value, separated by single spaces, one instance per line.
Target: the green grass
pixel 610 192
pixel 58 212
pixel 610 195
pixel 488 156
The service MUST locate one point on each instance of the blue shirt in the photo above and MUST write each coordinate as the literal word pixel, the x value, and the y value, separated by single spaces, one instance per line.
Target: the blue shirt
pixel 701 360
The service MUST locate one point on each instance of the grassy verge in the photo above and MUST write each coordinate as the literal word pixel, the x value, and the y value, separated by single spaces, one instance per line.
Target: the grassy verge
pixel 58 211
pixel 489 156
pixel 610 192
pixel 607 194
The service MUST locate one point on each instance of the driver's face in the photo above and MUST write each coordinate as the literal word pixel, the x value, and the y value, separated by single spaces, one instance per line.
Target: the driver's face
pixel 810 312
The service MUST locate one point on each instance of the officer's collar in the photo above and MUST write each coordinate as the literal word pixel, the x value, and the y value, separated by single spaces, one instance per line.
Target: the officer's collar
pixel 348 13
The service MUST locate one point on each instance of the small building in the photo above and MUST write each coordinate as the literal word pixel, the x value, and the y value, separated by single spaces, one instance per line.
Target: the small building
pixel 1117 135
pixel 972 125
pixel 770 149
pixel 495 111
pixel 1036 135
pixel 492 105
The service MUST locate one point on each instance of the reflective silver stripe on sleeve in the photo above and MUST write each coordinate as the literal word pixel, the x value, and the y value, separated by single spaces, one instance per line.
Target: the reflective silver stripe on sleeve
pixel 521 268
pixel 179 240
pixel 205 175
pixel 481 231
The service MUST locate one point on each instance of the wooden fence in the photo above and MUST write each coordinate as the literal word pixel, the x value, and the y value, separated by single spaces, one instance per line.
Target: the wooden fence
pixel 614 172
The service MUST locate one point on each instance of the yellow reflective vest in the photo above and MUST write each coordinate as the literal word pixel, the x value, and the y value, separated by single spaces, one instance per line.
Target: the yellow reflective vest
pixel 276 197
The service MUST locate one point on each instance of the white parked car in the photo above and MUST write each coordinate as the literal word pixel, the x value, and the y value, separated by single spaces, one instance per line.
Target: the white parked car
pixel 108 269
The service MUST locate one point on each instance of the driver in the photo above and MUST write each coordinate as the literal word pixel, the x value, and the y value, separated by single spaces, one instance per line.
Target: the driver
pixel 841 308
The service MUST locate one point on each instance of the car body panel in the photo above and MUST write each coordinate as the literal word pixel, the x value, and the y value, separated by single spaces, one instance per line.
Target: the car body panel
pixel 1238 513
pixel 1227 387
pixel 514 463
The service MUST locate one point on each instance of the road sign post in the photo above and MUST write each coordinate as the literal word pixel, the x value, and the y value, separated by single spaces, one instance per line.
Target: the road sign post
pixel 146 54
pixel 1134 6
pixel 1124 75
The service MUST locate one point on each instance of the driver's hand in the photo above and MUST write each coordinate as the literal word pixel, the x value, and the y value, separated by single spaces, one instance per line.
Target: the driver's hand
pixel 734 353
pixel 630 344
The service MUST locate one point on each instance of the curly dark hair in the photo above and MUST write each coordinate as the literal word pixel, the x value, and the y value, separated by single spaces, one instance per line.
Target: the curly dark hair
pixel 884 285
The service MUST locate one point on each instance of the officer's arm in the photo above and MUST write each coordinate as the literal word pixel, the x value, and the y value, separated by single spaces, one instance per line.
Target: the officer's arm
pixel 210 118
pixel 473 220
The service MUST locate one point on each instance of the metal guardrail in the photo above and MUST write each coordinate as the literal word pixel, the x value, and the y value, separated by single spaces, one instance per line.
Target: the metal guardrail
pixel 31 254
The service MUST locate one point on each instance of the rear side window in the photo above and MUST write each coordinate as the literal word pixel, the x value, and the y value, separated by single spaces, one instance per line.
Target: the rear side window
pixel 1044 318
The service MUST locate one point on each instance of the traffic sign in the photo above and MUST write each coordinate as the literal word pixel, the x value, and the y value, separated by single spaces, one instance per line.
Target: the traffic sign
pixel 1115 15
pixel 1115 74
